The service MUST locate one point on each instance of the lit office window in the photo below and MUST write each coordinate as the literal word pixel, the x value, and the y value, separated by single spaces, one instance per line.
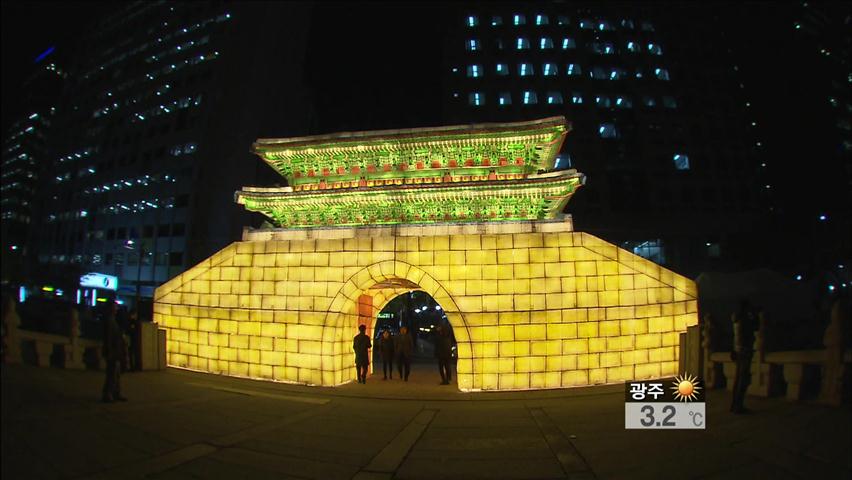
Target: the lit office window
pixel 554 98
pixel 603 48
pixel 472 21
pixel 525 69
pixel 681 161
pixel 599 73
pixel 476 99
pixel 662 73
pixel 669 102
pixel 496 21
pixel 530 97
pixel 616 74
pixel 549 69
pixel 562 20
pixel 574 69
pixel 623 102
pixel 568 43
pixel 650 249
pixel 603 101
pixel 541 20
pixel 504 99
pixel 587 24
pixel 563 160
pixel 607 130
pixel 473 45
pixel 649 101
pixel 502 69
pixel 522 43
pixel 604 25
pixel 498 43
pixel 545 43
pixel 576 98
pixel 519 19
pixel 474 71
pixel 654 49
pixel 628 24
pixel 633 47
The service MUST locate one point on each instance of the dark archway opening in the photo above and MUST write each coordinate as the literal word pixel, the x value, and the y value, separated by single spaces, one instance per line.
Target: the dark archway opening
pixel 425 320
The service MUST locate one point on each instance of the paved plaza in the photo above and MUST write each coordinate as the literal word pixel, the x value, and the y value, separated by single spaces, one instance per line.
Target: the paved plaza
pixel 181 424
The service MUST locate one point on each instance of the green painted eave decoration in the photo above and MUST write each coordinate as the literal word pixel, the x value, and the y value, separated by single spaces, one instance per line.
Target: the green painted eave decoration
pixel 529 146
pixel 534 198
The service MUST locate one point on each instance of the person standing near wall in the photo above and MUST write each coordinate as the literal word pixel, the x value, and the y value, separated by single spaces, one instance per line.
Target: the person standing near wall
pixel 745 325
pixel 404 348
pixel 361 344
pixel 114 351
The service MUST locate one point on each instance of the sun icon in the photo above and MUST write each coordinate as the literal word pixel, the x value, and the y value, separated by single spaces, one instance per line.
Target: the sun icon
pixel 685 387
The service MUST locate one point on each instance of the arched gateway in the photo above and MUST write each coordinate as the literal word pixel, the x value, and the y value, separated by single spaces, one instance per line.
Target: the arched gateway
pixel 458 212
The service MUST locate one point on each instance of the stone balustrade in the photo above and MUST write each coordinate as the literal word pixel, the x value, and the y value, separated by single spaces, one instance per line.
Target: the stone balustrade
pixel 797 369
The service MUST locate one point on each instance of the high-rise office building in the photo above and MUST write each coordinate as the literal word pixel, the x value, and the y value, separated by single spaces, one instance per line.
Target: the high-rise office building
pixel 155 134
pixel 25 148
pixel 656 184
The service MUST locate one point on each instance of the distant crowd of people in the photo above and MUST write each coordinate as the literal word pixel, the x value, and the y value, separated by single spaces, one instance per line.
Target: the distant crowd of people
pixel 400 349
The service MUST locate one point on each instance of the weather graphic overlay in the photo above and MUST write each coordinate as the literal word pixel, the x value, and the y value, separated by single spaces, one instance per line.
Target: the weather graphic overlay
pixel 648 405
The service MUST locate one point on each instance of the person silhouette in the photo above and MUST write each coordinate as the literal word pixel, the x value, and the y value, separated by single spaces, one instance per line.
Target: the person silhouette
pixel 404 348
pixel 361 344
pixel 386 349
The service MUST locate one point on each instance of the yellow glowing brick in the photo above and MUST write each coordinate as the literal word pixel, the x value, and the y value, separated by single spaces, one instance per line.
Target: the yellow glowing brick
pixel 651 340
pixel 227 354
pixel 575 346
pixel 597 345
pixel 574 378
pixel 609 328
pixel 660 324
pixel 310 346
pixel 586 268
pixel 607 299
pixel 490 365
pixel 587 330
pixel 530 332
pixel 619 374
pixel 591 360
pixel 248 355
pixel 228 326
pixel 505 332
pixel 624 342
pixel 594 284
pixel 491 334
pixel 516 255
pixel 633 357
pixel 178 335
pixel 597 376
pixel 505 365
pixel 489 381
pixel 587 299
pixel 469 304
pixel 260 343
pixel 239 341
pixel 610 359
pixel 646 371
pixel 670 338
pixel 634 327
pixel 662 354
pixel 607 267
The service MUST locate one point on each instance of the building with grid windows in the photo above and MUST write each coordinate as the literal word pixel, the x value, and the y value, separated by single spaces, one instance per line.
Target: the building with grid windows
pixel 672 173
pixel 25 147
pixel 158 111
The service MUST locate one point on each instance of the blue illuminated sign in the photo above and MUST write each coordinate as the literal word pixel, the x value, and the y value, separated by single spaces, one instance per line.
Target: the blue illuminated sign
pixel 99 280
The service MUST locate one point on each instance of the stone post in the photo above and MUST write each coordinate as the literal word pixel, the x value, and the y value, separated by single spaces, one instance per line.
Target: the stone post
pixel 74 352
pixel 834 370
pixel 710 371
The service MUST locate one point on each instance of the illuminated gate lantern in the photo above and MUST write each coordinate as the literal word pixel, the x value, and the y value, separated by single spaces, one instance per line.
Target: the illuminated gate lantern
pixel 471 215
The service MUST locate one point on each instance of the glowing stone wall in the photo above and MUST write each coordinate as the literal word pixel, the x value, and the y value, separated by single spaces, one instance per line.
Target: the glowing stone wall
pixel 532 305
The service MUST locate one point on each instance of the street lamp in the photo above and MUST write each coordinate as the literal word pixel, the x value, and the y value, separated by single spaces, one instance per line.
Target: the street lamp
pixel 130 245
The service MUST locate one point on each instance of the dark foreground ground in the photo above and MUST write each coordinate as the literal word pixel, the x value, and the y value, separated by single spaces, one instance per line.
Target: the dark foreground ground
pixel 179 424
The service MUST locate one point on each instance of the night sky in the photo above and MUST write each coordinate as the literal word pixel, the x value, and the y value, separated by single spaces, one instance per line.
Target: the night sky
pixel 365 60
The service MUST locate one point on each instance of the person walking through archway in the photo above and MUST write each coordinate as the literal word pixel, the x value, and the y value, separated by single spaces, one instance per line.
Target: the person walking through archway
pixel 361 344
pixel 404 348
pixel 444 351
pixel 386 350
